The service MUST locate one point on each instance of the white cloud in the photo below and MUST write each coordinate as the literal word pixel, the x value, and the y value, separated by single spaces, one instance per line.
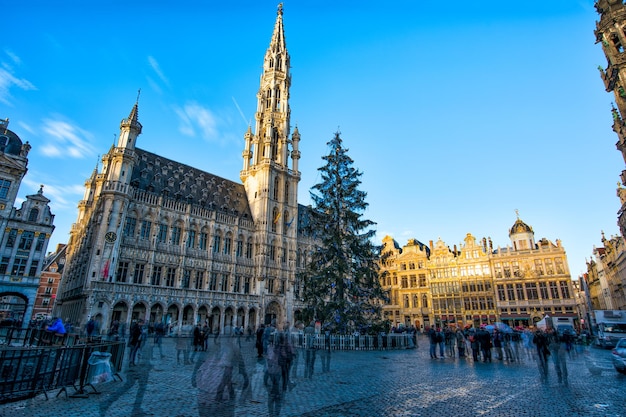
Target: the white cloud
pixel 16 59
pixel 195 118
pixel 157 69
pixel 9 81
pixel 66 140
pixel 61 196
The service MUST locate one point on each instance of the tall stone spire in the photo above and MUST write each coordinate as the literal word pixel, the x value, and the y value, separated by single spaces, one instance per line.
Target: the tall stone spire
pixel 270 142
pixel 270 156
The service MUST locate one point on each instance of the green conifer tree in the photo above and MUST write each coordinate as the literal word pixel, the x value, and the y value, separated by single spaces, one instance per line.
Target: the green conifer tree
pixel 341 286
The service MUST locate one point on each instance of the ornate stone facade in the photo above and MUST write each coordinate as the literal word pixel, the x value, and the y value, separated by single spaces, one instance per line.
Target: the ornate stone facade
pixel 24 232
pixel 611 260
pixel 435 285
pixel 161 241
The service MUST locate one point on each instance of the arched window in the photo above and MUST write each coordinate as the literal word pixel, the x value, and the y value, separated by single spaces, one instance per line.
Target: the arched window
pixel 277 98
pixel 268 99
pixel 275 188
pixel 217 242
pixel 275 219
pixel 424 301
pixel 286 193
pixel 274 144
pixel 33 215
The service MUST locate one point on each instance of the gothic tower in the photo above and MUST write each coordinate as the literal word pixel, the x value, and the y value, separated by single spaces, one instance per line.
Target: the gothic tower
pixel 611 32
pixel 101 213
pixel 270 167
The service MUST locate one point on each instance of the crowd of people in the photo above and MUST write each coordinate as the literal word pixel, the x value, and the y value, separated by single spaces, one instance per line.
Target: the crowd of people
pixel 502 343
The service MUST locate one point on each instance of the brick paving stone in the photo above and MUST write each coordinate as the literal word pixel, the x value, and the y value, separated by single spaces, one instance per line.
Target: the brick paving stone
pixel 362 383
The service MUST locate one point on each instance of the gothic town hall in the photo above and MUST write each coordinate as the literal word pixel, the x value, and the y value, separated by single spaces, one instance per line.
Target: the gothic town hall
pixel 165 242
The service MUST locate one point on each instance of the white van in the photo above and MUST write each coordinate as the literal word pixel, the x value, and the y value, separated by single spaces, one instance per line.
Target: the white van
pixel 610 327
pixel 561 324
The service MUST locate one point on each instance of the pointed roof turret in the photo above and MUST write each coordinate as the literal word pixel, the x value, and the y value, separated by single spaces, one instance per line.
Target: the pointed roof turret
pixel 132 121
pixel 130 128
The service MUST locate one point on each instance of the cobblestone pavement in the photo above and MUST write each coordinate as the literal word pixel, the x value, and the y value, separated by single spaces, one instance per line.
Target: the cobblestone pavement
pixel 362 383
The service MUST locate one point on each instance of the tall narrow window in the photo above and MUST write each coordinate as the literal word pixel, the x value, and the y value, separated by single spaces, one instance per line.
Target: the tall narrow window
pixel 510 292
pixel 176 232
pixel 224 283
pixel 213 282
pixel 199 280
pixel 217 243
pixel 4 188
pixel 32 272
pixel 191 239
pixel 129 227
pixel 501 293
pixel 27 240
pixel 228 241
pixel 4 264
pixel 519 288
pixel 203 240
pixel 239 249
pixel 275 193
pixel 144 231
pixel 162 236
pixel 170 279
pixel 41 239
pixel 19 266
pixel 122 272
pixel 543 290
pixel 286 193
pixel 186 279
pixel 275 219
pixel 156 275
pixel 554 291
pixel 138 273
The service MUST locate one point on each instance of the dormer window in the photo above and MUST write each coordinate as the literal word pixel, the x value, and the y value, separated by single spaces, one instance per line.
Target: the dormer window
pixel 33 215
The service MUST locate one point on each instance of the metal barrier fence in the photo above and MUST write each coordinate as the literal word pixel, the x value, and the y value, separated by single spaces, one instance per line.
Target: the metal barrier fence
pixel 352 342
pixel 336 341
pixel 17 336
pixel 28 371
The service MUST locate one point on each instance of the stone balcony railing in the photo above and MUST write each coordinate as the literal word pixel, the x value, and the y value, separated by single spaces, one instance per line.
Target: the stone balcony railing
pixel 153 294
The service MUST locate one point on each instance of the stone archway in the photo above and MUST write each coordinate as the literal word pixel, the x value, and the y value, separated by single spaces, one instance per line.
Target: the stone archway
pixel 14 307
pixel 156 314
pixel 171 318
pixel 241 317
pixel 139 312
pixel 119 313
pixel 214 319
pixel 189 318
pixel 252 319
pixel 273 311
pixel 203 315
pixel 229 315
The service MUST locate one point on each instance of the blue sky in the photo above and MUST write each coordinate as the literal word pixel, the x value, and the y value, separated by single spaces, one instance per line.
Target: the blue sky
pixel 458 113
